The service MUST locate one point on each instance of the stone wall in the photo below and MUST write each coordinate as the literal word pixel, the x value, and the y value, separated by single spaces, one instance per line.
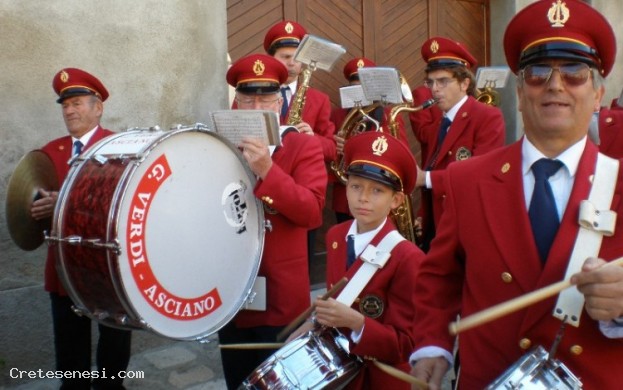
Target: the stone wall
pixel 163 63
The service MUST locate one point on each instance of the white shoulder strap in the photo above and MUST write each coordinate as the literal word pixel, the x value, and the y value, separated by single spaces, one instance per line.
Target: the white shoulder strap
pixel 596 220
pixel 374 258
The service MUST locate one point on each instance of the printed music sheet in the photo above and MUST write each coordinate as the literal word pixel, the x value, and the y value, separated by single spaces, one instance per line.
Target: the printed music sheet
pixel 318 52
pixel 352 96
pixel 492 77
pixel 237 124
pixel 381 84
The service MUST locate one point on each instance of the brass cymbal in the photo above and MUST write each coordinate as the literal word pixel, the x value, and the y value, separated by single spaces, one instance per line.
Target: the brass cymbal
pixel 34 171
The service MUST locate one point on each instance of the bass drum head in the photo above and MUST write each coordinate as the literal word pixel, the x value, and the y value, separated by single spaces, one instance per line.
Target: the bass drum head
pixel 191 235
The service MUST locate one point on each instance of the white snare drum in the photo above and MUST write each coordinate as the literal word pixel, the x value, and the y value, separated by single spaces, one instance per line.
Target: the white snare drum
pixel 535 372
pixel 319 359
pixel 159 230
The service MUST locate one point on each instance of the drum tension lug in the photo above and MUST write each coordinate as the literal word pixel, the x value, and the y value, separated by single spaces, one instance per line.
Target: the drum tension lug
pixel 268 225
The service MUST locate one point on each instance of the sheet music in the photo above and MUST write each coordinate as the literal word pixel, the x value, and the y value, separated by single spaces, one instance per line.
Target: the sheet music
pixel 352 95
pixel 381 84
pixel 318 52
pixel 237 124
pixel 492 77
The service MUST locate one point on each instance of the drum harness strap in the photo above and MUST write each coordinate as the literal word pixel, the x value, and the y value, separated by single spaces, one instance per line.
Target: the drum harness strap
pixel 596 220
pixel 374 258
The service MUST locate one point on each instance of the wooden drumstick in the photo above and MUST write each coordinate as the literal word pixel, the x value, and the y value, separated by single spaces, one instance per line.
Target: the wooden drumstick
pixel 396 373
pixel 504 308
pixel 303 316
pixel 252 346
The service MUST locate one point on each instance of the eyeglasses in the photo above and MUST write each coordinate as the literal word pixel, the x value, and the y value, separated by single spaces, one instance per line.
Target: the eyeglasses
pixel 572 74
pixel 441 82
pixel 252 102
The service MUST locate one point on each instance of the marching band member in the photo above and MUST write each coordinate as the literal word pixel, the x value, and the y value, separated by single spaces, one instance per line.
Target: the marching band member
pixel 496 240
pixel 381 171
pixel 81 96
pixel 281 42
pixel 467 127
pixel 292 185
pixel 381 114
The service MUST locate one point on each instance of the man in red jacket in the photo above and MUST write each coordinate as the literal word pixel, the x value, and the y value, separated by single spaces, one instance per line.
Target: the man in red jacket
pixel 281 42
pixel 81 96
pixel 471 128
pixel 511 221
pixel 291 184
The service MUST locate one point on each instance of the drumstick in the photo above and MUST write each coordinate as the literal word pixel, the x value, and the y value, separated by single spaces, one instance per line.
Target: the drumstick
pixel 396 373
pixel 298 320
pixel 504 308
pixel 252 346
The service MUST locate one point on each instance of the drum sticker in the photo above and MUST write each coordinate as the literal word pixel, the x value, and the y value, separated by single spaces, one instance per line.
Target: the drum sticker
pixel 162 300
pixel 235 207
pixel 371 306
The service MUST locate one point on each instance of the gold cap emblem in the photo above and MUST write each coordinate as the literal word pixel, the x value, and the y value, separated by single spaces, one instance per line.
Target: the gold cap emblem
pixel 289 28
pixel 360 63
pixel 558 14
pixel 258 67
pixel 64 76
pixel 434 46
pixel 379 146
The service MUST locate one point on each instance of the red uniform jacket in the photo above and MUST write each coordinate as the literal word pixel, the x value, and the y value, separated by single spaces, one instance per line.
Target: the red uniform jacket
pixel 484 254
pixel 388 337
pixel 293 194
pixel 317 112
pixel 59 151
pixel 339 202
pixel 611 132
pixel 422 118
pixel 477 129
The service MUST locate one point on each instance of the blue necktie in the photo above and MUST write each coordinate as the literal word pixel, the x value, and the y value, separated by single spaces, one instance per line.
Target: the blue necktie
pixel 350 250
pixel 77 148
pixel 443 130
pixel 542 212
pixel 284 106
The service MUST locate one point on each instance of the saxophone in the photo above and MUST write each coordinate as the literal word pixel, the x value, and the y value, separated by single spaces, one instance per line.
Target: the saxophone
pixel 295 115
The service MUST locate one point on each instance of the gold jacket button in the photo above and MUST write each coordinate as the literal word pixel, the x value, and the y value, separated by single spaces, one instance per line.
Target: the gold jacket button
pixel 576 350
pixel 507 277
pixel 525 343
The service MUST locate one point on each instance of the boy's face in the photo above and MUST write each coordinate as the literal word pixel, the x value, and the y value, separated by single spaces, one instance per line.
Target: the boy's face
pixel 370 202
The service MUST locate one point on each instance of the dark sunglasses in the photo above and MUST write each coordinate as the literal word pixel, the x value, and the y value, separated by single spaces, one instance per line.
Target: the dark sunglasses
pixel 572 74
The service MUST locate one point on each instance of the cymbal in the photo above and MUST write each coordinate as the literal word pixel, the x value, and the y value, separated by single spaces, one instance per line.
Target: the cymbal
pixel 33 172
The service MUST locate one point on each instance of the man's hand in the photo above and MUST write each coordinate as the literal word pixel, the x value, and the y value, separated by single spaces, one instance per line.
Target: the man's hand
pixel 431 371
pixel 336 314
pixel 44 206
pixel 304 128
pixel 339 144
pixel 602 288
pixel 256 152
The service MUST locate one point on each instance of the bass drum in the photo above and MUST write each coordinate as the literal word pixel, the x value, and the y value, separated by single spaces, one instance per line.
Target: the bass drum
pixel 319 359
pixel 536 372
pixel 159 230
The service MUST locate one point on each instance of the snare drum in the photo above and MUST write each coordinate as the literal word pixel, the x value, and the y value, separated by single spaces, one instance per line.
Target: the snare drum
pixel 534 371
pixel 319 359
pixel 159 230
